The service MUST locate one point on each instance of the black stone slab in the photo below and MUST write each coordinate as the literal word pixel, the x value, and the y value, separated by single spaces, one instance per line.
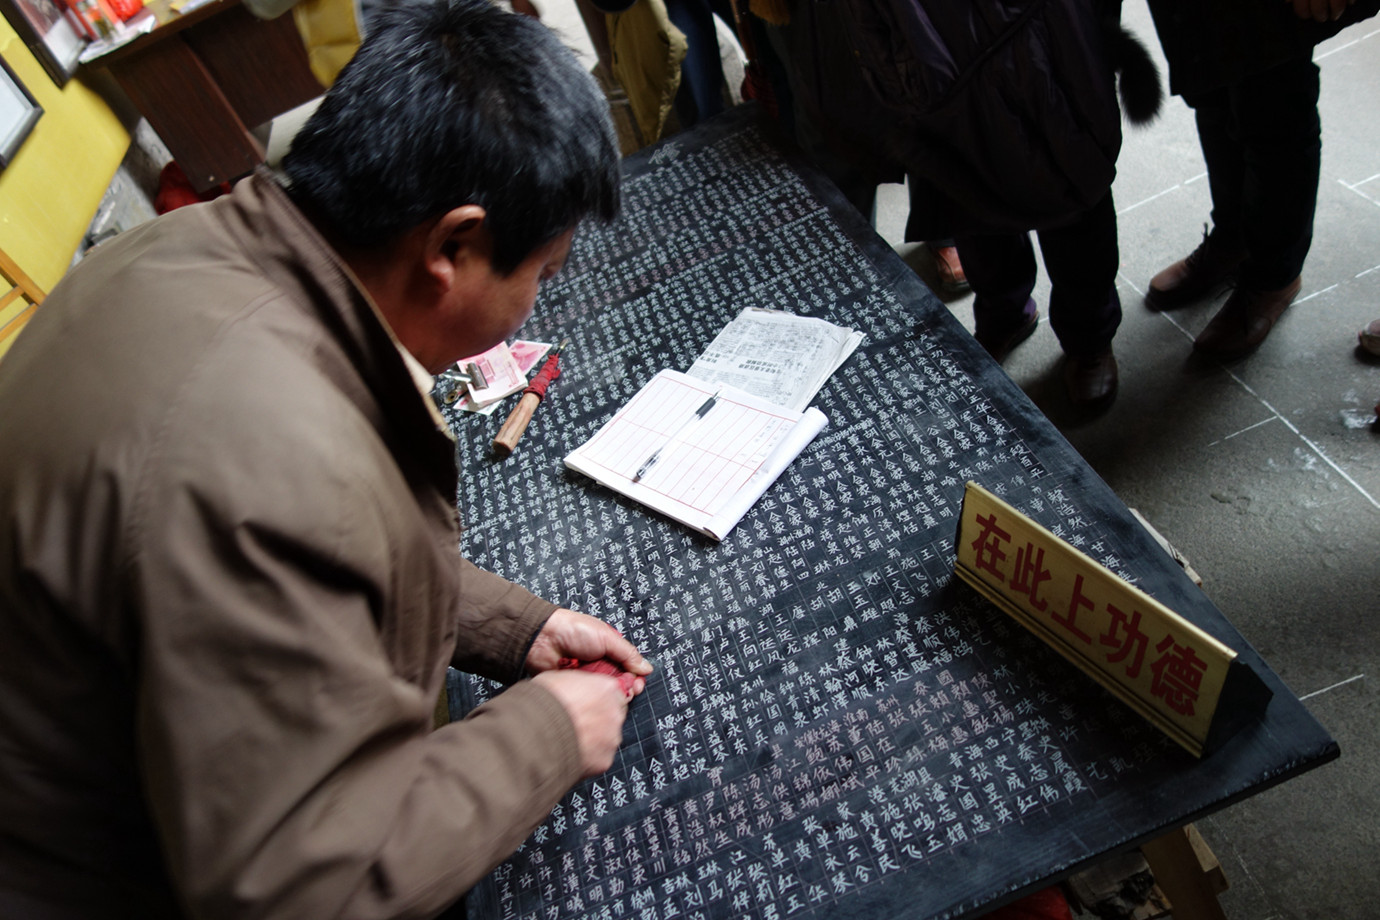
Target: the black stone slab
pixel 837 727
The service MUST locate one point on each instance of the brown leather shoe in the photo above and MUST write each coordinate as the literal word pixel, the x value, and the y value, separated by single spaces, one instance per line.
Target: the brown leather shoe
pixel 1091 380
pixel 1193 278
pixel 1370 337
pixel 948 267
pixel 1244 321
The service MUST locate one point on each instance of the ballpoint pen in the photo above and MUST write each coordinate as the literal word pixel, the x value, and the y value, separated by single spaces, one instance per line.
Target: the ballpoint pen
pixel 700 413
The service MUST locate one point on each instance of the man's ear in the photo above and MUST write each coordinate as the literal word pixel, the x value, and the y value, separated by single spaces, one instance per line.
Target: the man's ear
pixel 456 240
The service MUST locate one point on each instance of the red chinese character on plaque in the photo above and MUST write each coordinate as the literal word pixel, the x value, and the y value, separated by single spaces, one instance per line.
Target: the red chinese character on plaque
pixel 1069 621
pixel 1132 642
pixel 1030 571
pixel 1178 674
pixel 987 552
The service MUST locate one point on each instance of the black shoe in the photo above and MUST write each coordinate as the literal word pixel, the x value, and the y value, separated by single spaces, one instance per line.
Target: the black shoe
pixel 999 346
pixel 1205 269
pixel 1091 380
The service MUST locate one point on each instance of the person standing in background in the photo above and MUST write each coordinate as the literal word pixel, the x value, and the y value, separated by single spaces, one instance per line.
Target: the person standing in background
pixel 941 93
pixel 1246 69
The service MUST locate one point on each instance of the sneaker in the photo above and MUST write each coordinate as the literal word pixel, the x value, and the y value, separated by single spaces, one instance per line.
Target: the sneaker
pixel 1244 321
pixel 1204 270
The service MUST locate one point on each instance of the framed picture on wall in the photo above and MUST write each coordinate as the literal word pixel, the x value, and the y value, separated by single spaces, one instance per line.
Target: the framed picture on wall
pixel 18 112
pixel 49 33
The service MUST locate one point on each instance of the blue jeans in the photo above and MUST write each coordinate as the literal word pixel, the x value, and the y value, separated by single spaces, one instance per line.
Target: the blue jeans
pixel 701 73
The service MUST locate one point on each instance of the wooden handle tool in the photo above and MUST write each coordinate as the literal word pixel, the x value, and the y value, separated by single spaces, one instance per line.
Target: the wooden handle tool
pixel 505 442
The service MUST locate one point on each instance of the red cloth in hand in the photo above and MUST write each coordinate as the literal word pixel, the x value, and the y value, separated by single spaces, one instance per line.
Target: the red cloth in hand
pixel 602 666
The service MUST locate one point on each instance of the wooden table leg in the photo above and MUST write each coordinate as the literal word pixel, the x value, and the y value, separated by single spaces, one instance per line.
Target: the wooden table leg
pixel 1190 885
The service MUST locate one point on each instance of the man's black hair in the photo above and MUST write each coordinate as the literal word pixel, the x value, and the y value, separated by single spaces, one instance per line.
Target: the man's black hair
pixel 454 102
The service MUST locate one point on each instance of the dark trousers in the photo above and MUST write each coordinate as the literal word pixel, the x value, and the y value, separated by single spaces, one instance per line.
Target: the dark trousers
pixel 701 73
pixel 1082 261
pixel 1262 141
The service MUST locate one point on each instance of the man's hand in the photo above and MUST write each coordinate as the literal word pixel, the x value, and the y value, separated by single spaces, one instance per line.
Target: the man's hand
pixel 568 634
pixel 597 707
pixel 1320 10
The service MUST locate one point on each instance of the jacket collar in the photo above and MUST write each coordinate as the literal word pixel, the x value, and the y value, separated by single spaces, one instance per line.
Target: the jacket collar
pixel 295 257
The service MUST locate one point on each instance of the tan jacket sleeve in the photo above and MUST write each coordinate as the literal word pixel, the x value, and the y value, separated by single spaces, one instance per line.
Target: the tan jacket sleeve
pixel 284 733
pixel 499 620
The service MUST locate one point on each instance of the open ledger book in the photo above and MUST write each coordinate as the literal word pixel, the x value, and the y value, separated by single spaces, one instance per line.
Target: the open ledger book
pixel 704 467
pixel 702 447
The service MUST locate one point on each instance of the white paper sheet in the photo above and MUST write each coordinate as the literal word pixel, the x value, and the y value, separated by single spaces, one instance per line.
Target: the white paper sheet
pixel 708 471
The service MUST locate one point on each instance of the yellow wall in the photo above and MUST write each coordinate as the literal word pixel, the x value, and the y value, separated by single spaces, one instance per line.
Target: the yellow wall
pixel 50 191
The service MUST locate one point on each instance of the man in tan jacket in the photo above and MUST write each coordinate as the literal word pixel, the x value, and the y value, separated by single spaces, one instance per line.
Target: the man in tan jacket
pixel 229 577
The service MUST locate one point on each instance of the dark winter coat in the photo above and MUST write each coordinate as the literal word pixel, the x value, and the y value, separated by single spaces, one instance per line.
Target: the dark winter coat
pixel 1214 43
pixel 1002 112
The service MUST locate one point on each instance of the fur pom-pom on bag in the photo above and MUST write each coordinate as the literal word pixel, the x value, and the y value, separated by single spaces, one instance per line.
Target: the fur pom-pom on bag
pixel 1138 79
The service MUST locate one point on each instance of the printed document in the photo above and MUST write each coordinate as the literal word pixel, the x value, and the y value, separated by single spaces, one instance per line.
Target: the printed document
pixel 781 357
